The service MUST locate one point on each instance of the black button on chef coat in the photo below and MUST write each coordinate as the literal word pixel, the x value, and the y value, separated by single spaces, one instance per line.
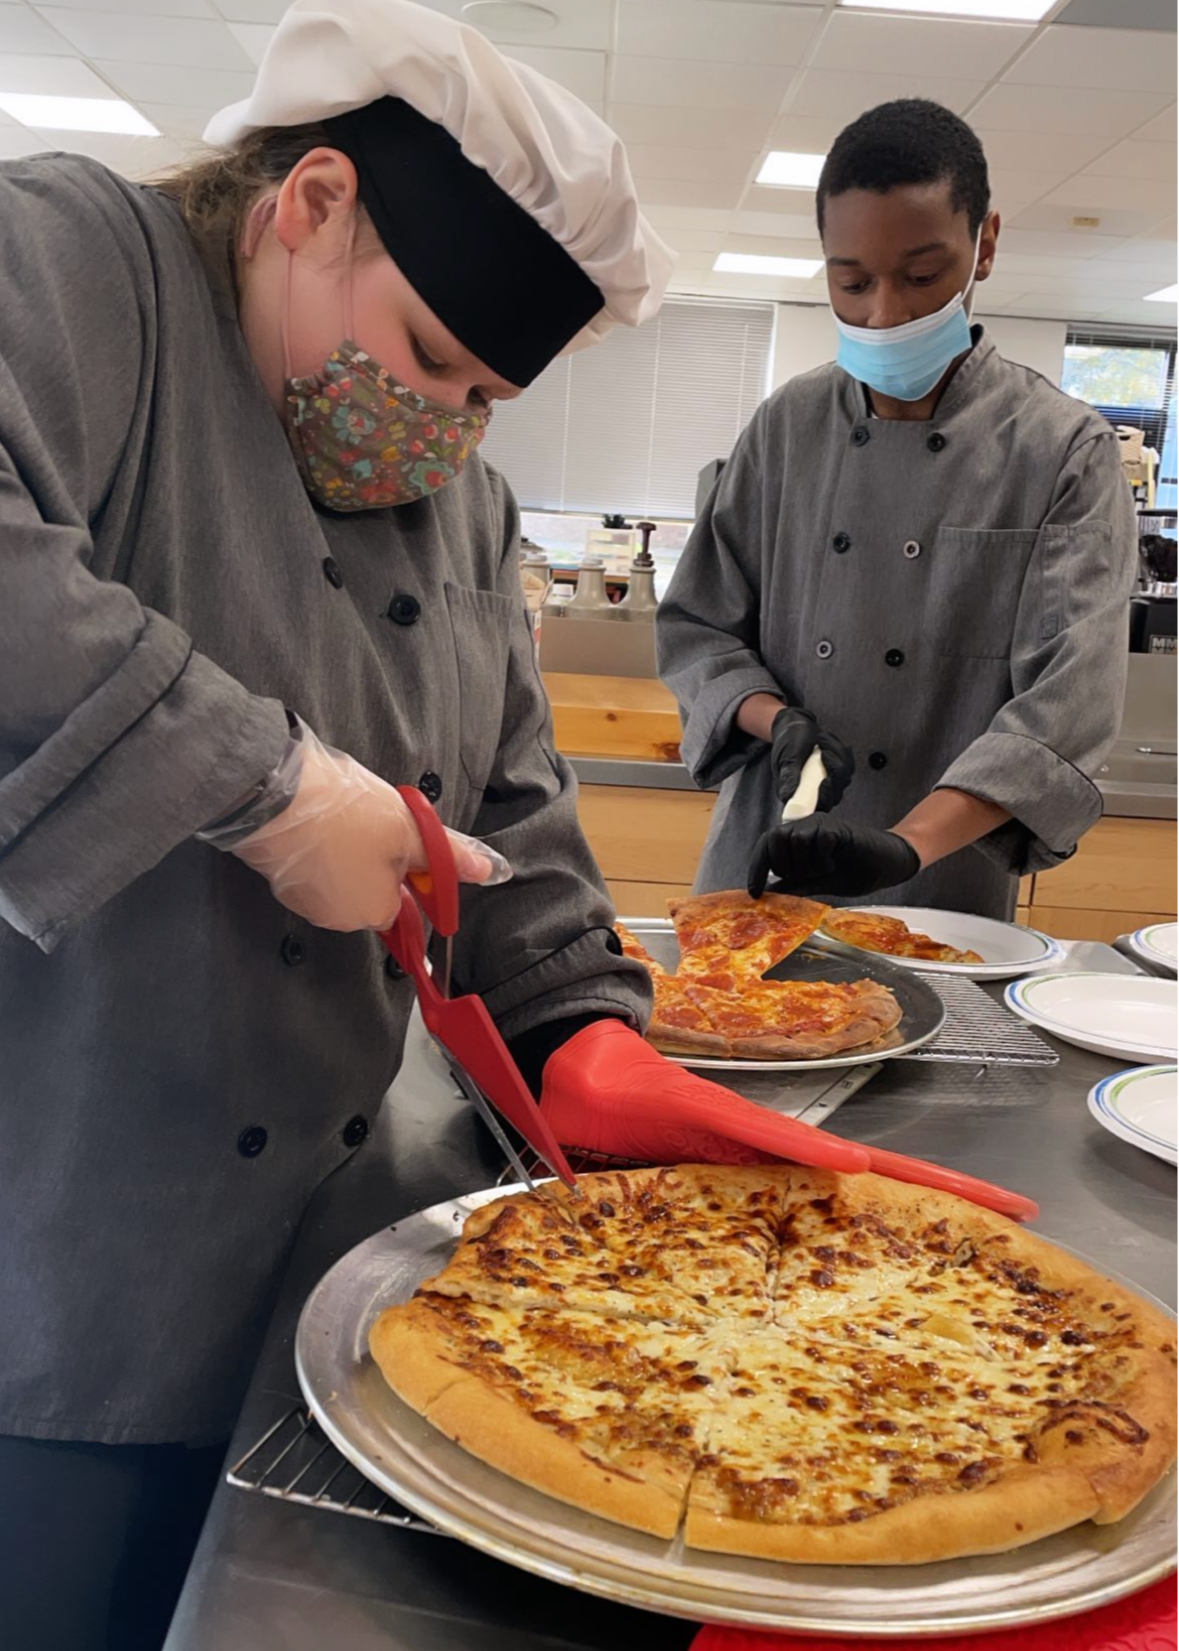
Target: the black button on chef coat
pixel 333 572
pixel 293 951
pixel 430 786
pixel 251 1141
pixel 840 543
pixel 877 759
pixel 860 435
pixel 894 657
pixel 404 610
pixel 354 1131
pixel 936 442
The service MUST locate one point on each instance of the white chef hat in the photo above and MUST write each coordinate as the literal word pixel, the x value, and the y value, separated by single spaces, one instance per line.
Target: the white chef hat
pixel 507 204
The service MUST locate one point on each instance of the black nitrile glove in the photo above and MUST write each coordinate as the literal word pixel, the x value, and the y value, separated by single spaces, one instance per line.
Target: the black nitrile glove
pixel 795 734
pixel 823 856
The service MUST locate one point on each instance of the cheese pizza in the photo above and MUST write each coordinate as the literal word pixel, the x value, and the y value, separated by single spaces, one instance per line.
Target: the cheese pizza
pixel 790 1364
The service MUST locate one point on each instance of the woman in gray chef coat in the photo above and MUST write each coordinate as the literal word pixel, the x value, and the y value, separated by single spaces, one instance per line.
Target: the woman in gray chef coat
pixel 918 559
pixel 241 514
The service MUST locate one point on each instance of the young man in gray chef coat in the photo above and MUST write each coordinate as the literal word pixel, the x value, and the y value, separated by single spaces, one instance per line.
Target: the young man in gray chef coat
pixel 917 560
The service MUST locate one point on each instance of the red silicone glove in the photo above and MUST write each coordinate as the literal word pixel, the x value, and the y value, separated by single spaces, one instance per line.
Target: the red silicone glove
pixel 607 1090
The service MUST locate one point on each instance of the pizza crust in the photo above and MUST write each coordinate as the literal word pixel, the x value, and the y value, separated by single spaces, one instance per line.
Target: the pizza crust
pixel 979 1299
pixel 639 1490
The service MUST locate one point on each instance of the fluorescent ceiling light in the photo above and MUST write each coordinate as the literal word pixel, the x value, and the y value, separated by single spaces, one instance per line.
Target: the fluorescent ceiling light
pixel 756 263
pixel 1011 11
pixel 1165 295
pixel 785 169
pixel 76 114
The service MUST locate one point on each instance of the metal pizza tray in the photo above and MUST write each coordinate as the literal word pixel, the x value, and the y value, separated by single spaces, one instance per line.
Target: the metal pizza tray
pixel 923 1011
pixel 409 1459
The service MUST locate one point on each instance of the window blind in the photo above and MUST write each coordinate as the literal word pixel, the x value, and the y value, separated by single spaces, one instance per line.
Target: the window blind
pixel 628 424
pixel 1149 415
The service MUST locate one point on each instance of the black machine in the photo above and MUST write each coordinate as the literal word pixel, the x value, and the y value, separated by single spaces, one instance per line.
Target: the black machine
pixel 1152 609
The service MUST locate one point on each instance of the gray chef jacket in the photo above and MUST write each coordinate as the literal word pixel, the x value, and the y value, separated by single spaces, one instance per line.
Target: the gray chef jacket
pixel 948 597
pixel 182 1061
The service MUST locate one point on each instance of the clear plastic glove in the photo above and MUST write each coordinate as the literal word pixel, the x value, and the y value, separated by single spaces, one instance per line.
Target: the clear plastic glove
pixel 342 846
pixel 794 734
pixel 607 1090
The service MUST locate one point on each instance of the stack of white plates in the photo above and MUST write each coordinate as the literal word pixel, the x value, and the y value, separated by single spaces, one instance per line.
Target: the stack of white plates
pixel 1139 1106
pixel 1158 944
pixel 1128 1017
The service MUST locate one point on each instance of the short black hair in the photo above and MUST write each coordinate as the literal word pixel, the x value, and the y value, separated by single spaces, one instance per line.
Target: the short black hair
pixel 912 140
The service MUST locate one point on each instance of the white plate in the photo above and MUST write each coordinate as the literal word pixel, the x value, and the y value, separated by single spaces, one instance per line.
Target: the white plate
pixel 1159 944
pixel 1124 1016
pixel 1007 949
pixel 1140 1107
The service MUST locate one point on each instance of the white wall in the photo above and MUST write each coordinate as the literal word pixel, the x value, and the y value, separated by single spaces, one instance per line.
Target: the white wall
pixel 804 337
pixel 1036 344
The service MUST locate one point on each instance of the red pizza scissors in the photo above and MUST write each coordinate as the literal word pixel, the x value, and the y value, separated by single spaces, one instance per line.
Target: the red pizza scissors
pixel 482 1066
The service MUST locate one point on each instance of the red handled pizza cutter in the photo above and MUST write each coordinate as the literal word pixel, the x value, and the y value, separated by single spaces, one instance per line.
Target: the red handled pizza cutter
pixel 483 1068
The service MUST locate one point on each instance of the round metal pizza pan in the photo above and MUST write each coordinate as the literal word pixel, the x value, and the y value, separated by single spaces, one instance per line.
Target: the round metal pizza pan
pixel 401 1452
pixel 922 1010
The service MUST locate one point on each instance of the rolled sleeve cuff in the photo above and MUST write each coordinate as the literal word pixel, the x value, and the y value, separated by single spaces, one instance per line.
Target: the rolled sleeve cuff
pixel 184 762
pixel 582 978
pixel 713 746
pixel 1052 803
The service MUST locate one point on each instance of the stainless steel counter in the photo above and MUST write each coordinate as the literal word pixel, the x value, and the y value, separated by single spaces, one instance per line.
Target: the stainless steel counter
pixel 269 1576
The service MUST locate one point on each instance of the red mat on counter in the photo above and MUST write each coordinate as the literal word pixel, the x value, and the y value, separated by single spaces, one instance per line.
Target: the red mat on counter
pixel 1143 1622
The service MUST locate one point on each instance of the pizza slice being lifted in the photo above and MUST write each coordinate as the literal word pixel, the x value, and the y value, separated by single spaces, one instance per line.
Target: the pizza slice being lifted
pixel 874 932
pixel 727 939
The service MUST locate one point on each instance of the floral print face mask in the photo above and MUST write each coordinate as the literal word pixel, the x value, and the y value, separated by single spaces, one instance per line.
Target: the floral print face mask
pixel 364 442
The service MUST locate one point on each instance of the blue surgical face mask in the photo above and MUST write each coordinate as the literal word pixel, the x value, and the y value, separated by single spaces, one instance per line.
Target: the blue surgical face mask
pixel 907 361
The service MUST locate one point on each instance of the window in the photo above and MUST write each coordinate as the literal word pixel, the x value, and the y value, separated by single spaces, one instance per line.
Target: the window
pixel 627 425
pixel 1128 379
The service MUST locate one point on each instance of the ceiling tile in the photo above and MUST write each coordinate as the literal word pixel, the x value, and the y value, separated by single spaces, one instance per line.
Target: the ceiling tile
pixel 21 30
pixel 1120 14
pixel 795 204
pixel 51 77
pixel 1058 219
pixel 253 38
pixel 842 96
pixel 1159 130
pixel 1012 191
pixel 1121 60
pixel 16 141
pixel 584 25
pixel 688 217
pixel 774 245
pixel 153 8
pixel 1009 108
pixel 1077 244
pixel 714 165
pixel 658 81
pixel 582 73
pixel 1145 252
pixel 1134 159
pixel 877 44
pixel 800 227
pixel 687 242
pixel 689 127
pixel 187 124
pixel 248 11
pixel 687 192
pixel 1091 189
pixel 126 37
pixel 735 32
pixel 1058 152
pixel 133 157
pixel 168 83
pixel 804 134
